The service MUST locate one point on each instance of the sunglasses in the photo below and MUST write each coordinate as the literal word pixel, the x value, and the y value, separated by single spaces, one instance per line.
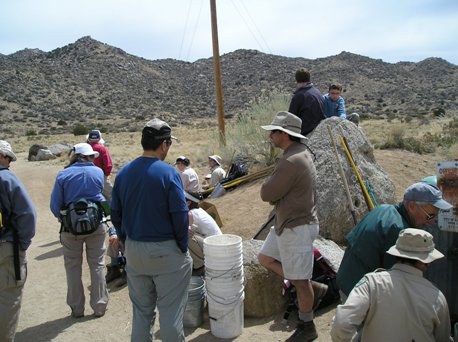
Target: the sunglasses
pixel 168 142
pixel 428 215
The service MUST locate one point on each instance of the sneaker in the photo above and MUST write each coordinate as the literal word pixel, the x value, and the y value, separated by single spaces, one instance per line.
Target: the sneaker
pixel 305 332
pixel 123 280
pixel 320 291
pixel 113 273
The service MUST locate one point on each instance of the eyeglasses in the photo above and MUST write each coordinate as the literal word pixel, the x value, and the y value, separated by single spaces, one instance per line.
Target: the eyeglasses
pixel 168 142
pixel 428 215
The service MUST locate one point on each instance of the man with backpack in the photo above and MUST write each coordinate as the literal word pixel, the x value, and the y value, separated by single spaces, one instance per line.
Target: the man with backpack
pixel 76 202
pixel 17 228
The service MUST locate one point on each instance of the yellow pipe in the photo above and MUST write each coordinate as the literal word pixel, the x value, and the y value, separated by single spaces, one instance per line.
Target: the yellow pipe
pixel 366 195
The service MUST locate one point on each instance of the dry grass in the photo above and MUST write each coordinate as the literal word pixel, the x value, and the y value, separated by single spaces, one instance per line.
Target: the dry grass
pixel 200 140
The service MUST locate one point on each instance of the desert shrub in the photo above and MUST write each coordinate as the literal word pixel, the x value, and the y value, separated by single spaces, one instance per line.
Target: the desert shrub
pixel 396 139
pixel 30 132
pixel 244 135
pixel 439 111
pixel 80 130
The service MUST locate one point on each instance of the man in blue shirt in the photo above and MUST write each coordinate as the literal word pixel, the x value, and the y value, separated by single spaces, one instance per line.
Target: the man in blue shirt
pixel 17 228
pixel 334 104
pixel 149 210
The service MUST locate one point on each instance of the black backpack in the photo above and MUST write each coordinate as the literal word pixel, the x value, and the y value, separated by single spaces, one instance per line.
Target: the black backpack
pixel 82 217
pixel 237 170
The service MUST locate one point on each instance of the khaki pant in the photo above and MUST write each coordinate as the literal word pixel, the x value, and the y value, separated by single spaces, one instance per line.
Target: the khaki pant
pixel 10 290
pixel 196 250
pixel 107 188
pixel 73 246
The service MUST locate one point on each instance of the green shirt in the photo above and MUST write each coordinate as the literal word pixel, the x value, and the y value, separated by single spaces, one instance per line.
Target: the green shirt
pixel 368 242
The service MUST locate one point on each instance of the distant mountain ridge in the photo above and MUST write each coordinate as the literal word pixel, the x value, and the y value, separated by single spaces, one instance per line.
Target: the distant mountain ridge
pixel 92 83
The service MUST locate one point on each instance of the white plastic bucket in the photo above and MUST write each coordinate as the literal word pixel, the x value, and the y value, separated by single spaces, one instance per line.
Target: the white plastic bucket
pixel 225 287
pixel 194 311
pixel 223 252
pixel 226 319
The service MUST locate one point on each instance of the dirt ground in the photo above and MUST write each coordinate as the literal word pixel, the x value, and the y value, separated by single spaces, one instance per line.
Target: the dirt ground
pixel 45 315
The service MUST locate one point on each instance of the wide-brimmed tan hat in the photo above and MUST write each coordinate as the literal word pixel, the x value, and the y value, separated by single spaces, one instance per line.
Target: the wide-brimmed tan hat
pixel 415 244
pixel 5 149
pixel 216 158
pixel 288 123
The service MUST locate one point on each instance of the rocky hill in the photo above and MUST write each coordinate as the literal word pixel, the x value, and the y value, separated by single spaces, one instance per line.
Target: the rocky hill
pixel 95 84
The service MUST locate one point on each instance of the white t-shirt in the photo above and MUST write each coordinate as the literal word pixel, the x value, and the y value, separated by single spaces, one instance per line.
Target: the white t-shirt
pixel 203 224
pixel 190 180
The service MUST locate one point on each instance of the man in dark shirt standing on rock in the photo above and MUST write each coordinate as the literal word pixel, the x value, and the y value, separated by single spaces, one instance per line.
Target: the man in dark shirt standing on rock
pixel 307 102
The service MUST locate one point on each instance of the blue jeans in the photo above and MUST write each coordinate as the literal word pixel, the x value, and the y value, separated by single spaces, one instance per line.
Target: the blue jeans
pixel 158 274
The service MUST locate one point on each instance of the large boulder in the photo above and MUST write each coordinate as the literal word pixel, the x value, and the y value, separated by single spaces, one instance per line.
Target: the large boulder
pixel 263 289
pixel 33 150
pixel 60 149
pixel 333 207
pixel 43 154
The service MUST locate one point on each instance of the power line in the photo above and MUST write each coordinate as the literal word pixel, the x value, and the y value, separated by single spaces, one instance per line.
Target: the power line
pixel 195 29
pixel 185 28
pixel 254 24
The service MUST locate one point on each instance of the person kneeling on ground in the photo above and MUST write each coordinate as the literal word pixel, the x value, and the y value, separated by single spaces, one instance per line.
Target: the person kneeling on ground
pixel 115 251
pixel 201 225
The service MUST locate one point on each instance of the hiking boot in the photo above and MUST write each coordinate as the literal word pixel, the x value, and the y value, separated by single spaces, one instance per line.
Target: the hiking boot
pixel 320 291
pixel 305 332
pixel 123 280
pixel 113 273
pixel 75 314
pixel 99 314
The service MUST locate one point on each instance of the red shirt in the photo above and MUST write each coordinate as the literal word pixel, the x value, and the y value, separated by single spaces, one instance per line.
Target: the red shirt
pixel 104 159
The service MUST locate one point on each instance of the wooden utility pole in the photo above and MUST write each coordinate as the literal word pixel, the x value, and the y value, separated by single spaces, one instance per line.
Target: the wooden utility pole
pixel 217 67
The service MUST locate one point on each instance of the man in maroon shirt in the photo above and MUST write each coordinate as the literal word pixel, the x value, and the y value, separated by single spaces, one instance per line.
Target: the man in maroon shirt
pixel 94 139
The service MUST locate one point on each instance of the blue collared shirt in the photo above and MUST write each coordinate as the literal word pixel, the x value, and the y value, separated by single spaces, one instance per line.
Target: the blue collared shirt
pixel 81 180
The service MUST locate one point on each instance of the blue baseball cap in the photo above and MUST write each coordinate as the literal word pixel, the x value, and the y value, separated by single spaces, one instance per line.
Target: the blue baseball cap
pixel 424 192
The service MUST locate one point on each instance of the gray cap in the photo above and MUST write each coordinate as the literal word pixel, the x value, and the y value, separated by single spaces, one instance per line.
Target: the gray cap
pixel 158 130
pixel 424 192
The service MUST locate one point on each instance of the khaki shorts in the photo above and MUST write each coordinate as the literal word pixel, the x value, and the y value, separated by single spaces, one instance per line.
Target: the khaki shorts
pixel 294 249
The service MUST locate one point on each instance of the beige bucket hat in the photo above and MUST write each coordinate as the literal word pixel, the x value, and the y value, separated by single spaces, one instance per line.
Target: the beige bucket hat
pixel 415 244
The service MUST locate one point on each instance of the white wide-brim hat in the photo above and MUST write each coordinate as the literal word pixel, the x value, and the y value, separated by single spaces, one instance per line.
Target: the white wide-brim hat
pixel 85 149
pixel 6 149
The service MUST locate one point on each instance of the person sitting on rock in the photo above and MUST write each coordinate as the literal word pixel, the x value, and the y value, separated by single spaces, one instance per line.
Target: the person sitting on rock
pixel 334 105
pixel 216 171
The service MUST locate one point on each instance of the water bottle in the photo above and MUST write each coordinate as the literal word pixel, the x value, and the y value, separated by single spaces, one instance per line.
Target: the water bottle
pixel 121 259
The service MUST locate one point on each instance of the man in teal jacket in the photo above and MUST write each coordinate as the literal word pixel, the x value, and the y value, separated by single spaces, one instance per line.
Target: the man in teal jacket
pixel 378 230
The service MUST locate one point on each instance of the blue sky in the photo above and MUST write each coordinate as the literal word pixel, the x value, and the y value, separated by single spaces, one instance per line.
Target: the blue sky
pixel 391 30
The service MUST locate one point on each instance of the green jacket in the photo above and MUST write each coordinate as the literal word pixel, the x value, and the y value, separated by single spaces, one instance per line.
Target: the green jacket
pixel 368 242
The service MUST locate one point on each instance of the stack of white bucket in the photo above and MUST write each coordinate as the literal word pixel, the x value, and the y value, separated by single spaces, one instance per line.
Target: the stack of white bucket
pixel 224 281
